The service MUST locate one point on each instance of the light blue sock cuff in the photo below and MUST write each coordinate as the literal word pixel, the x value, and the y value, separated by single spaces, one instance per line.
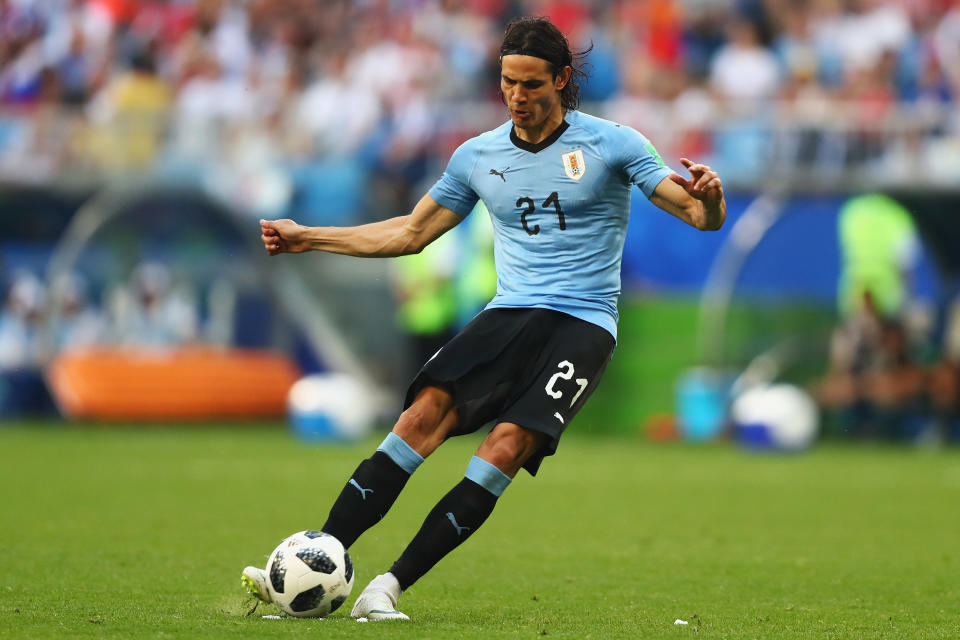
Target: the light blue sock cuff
pixel 400 452
pixel 487 476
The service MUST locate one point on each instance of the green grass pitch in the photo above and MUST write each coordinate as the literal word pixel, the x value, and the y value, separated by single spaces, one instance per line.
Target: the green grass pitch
pixel 142 533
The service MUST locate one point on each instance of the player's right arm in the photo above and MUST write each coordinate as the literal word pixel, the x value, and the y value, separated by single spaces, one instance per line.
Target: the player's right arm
pixel 698 201
pixel 397 236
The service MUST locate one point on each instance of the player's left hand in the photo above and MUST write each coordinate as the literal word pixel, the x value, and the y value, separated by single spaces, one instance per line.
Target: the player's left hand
pixel 704 183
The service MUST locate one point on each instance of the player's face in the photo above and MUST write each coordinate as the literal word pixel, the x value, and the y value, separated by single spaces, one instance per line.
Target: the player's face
pixel 531 92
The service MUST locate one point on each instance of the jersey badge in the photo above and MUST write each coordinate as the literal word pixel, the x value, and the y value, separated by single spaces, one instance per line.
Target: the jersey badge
pixel 574 165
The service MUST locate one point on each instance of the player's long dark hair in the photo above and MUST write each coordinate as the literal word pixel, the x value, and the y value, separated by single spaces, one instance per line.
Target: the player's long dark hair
pixel 538 35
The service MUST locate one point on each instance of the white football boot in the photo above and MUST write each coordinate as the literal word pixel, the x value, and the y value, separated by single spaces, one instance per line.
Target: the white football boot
pixel 254 581
pixel 379 600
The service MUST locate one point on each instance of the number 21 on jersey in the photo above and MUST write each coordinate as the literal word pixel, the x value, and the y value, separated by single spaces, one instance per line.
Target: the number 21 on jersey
pixel 529 207
pixel 565 373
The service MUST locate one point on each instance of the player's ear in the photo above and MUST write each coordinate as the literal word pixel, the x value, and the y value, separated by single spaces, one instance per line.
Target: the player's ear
pixel 563 77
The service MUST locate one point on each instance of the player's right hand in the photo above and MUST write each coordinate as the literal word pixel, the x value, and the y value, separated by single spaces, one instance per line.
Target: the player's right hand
pixel 283 236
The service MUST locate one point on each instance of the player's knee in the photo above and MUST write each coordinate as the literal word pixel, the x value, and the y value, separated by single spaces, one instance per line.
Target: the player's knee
pixel 421 424
pixel 508 446
pixel 414 425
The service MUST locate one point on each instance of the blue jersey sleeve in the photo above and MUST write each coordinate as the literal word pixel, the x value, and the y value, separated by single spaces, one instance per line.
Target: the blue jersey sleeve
pixel 638 157
pixel 453 190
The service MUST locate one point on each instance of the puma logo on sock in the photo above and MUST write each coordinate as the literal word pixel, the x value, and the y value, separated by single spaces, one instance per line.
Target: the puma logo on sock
pixel 363 492
pixel 459 529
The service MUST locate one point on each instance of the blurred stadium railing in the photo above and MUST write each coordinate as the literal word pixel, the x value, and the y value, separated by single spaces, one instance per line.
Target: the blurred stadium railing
pixel 832 145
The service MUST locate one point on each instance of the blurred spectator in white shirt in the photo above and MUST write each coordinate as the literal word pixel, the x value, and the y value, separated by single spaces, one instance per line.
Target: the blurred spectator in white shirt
pixel 22 337
pixel 150 312
pixel 337 110
pixel 744 71
pixel 872 29
pixel 74 322
pixel 947 43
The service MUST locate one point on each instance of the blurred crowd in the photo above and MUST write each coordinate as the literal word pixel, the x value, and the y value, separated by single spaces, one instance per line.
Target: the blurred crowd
pixel 149 310
pixel 38 320
pixel 884 383
pixel 893 372
pixel 333 107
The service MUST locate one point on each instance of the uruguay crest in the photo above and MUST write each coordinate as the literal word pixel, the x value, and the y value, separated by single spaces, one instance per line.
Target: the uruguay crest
pixel 574 165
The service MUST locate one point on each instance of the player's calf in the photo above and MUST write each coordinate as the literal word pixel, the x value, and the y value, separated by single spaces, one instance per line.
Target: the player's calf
pixel 454 519
pixel 372 489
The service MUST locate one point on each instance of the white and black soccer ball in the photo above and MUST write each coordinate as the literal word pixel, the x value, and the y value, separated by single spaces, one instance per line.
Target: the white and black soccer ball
pixel 309 574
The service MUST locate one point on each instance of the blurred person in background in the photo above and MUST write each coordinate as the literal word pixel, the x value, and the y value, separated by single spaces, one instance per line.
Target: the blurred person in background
pixel 944 382
pixel 423 284
pixel 335 110
pixel 744 77
pixel 651 76
pixel 74 321
pixel 557 183
pixel 944 390
pixel 806 100
pixel 24 347
pixel 78 44
pixel 874 387
pixel 880 248
pixel 76 70
pixel 744 72
pixel 22 59
pixel 870 31
pixel 943 385
pixel 150 312
pixel 22 327
pixel 132 109
pixel 464 39
pixel 896 386
pixel 475 279
pixel 703 36
pixel 869 102
pixel 947 46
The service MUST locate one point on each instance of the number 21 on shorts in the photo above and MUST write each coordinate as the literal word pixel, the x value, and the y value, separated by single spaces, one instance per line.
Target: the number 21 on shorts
pixel 565 373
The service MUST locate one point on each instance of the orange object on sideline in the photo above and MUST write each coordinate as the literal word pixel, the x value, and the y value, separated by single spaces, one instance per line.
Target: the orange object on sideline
pixel 189 383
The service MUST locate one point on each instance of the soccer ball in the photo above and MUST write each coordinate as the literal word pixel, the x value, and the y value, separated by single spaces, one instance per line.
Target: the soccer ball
pixel 310 574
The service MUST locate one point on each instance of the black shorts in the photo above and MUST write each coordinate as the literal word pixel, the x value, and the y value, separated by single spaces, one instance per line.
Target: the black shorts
pixel 532 367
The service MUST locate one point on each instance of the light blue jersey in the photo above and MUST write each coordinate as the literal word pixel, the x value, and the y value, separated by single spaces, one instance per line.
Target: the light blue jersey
pixel 559 208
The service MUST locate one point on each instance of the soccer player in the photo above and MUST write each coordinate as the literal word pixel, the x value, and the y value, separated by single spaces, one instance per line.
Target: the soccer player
pixel 557 183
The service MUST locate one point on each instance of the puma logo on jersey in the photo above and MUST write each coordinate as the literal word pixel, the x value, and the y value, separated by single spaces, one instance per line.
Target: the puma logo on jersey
pixel 459 529
pixel 494 172
pixel 363 492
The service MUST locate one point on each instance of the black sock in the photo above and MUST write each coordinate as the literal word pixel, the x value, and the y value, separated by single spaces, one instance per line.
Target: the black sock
pixel 456 516
pixel 366 498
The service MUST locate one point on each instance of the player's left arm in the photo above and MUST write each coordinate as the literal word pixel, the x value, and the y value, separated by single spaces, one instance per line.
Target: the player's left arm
pixel 698 201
